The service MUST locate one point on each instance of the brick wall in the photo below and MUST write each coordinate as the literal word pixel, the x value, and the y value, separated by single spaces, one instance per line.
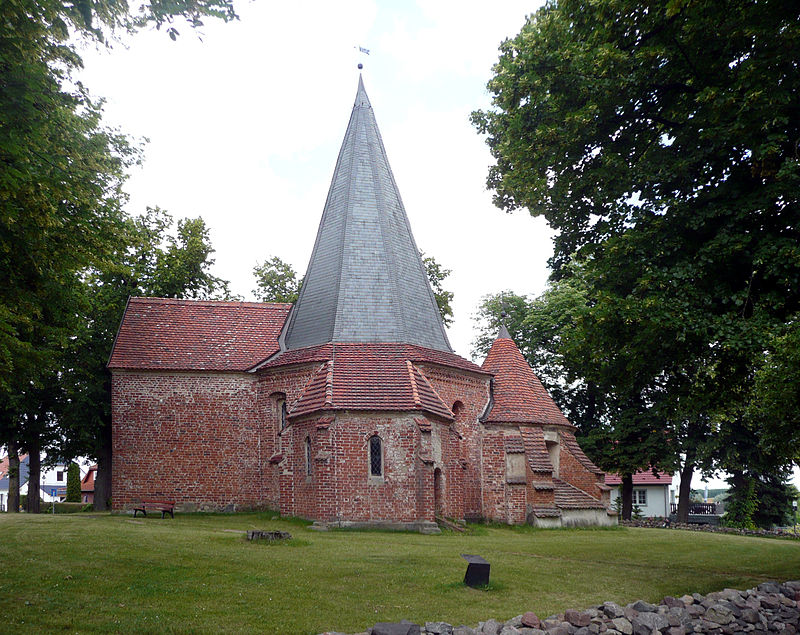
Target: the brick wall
pixel 345 486
pixel 574 473
pixel 494 474
pixel 192 438
pixel 272 385
pixel 213 440
pixel 472 391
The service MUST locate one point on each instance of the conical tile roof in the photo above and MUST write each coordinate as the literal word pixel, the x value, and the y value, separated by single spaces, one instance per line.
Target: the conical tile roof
pixel 365 281
pixel 518 395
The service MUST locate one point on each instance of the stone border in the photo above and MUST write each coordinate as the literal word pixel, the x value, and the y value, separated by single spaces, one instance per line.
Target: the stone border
pixel 661 523
pixel 769 608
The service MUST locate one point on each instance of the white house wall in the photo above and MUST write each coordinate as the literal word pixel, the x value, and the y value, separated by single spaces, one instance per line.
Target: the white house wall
pixel 657 499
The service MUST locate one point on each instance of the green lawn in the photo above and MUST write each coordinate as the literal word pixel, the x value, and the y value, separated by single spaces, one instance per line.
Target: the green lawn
pixel 197 573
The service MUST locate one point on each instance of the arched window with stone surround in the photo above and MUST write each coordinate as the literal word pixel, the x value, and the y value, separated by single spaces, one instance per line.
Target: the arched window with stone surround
pixel 279 404
pixel 308 456
pixel 375 456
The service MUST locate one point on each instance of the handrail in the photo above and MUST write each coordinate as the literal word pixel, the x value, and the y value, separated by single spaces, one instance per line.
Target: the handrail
pixel 701 509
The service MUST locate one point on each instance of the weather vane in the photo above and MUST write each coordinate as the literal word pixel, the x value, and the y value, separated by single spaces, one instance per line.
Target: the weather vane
pixel 361 51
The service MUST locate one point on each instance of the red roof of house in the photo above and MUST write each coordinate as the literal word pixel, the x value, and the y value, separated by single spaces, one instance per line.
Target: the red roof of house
pixel 366 377
pixel 169 334
pixel 519 396
pixel 642 478
pixel 4 464
pixel 87 482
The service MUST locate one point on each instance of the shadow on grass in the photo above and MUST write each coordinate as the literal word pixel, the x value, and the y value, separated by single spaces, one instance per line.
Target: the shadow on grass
pixel 292 542
pixel 492 587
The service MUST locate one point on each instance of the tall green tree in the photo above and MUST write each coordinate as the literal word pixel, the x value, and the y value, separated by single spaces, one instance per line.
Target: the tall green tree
pixel 60 190
pixel 151 261
pixel 659 140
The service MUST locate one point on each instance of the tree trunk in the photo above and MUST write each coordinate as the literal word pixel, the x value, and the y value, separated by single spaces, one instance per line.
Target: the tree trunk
pixel 13 477
pixel 32 505
pixel 627 496
pixel 685 489
pixel 102 482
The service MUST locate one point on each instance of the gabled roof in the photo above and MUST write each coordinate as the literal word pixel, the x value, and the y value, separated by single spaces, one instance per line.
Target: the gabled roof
pixel 169 334
pixel 87 482
pixel 642 478
pixel 365 280
pixel 518 396
pixel 369 377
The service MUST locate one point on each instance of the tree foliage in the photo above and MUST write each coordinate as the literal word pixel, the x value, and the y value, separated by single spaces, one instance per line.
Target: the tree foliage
pixel 61 197
pixel 660 141
pixel 436 277
pixel 276 281
pixel 149 261
pixel 73 483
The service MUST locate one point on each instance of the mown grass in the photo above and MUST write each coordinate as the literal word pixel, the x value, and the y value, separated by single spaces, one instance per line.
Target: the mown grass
pixel 198 574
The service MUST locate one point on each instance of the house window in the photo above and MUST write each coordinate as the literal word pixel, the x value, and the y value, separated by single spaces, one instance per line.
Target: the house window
pixel 640 497
pixel 282 412
pixel 59 476
pixel 308 456
pixel 375 457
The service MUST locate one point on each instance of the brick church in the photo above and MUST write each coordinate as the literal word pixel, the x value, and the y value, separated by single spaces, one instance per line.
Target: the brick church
pixel 348 407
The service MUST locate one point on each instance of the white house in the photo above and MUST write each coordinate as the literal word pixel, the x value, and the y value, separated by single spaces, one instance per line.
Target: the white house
pixel 650 492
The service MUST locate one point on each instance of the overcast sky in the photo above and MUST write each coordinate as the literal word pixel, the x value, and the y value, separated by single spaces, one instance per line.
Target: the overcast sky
pixel 245 124
pixel 244 128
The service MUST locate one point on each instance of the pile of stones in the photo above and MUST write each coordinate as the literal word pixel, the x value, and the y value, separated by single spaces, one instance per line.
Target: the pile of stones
pixel 661 523
pixel 771 608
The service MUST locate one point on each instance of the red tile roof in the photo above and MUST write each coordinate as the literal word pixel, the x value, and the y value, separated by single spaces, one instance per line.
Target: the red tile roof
pixel 519 396
pixel 536 449
pixel 642 478
pixel 572 445
pixel 169 334
pixel 366 377
pixel 416 354
pixel 87 483
pixel 570 497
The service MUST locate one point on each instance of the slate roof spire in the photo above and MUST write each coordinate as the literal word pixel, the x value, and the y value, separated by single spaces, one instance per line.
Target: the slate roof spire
pixel 365 281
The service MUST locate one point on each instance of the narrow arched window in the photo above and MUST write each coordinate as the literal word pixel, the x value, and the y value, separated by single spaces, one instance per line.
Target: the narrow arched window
pixel 375 457
pixel 282 415
pixel 308 456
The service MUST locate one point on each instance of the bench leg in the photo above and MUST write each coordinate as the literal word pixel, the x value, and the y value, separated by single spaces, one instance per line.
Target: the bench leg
pixel 136 511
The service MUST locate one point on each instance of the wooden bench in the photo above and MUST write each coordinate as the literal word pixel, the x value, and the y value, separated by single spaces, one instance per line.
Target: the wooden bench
pixel 165 507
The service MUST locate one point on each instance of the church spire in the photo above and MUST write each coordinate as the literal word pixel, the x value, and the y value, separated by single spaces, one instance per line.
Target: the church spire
pixel 365 281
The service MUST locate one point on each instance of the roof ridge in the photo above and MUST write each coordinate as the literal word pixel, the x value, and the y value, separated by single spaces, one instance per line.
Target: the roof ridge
pixel 413 379
pixel 198 302
pixel 433 390
pixel 329 384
